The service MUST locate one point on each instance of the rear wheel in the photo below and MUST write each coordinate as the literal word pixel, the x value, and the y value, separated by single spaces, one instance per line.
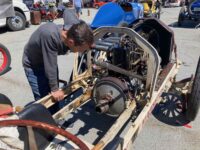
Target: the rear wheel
pixel 17 22
pixel 5 59
pixel 193 102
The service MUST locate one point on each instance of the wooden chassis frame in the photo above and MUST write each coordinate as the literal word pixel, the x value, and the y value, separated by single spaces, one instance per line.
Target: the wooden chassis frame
pixel 80 81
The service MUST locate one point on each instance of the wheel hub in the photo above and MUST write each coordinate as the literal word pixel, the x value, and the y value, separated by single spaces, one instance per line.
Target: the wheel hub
pixel 110 96
pixel 17 22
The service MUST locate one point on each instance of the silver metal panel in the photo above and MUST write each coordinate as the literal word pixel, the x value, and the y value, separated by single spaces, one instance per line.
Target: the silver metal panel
pixel 153 62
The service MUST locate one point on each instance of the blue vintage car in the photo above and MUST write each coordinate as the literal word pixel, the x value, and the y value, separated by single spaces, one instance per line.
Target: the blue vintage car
pixel 195 7
pixel 117 14
pixel 189 12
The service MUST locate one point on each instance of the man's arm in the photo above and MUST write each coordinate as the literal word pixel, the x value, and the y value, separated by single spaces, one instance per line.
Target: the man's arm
pixel 50 53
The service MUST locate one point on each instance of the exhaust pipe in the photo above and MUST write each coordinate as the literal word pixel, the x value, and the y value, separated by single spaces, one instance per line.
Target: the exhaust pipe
pixel 102 106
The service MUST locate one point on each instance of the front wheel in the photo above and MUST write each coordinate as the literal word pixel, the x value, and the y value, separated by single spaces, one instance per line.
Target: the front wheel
pixel 5 59
pixel 17 22
pixel 193 102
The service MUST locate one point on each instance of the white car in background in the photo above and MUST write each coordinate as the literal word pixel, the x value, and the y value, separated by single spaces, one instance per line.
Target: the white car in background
pixel 21 18
pixel 174 3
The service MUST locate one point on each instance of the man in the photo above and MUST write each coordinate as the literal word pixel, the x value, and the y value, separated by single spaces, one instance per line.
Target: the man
pixel 78 4
pixel 43 47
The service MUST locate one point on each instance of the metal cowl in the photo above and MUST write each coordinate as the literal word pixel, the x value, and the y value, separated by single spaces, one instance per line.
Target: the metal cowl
pixel 109 95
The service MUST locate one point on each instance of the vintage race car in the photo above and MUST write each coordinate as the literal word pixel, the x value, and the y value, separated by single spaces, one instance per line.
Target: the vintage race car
pixel 113 89
pixel 190 12
pixel 125 14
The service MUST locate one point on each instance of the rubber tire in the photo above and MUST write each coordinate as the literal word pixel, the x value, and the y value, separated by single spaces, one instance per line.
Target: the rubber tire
pixel 13 28
pixel 193 102
pixel 7 67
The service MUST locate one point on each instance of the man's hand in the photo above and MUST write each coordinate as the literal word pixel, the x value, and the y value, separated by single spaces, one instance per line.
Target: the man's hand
pixel 58 95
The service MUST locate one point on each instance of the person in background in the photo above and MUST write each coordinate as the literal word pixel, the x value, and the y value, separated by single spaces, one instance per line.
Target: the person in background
pixel 78 5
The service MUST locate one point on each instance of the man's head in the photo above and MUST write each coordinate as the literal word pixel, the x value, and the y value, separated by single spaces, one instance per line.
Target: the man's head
pixel 79 37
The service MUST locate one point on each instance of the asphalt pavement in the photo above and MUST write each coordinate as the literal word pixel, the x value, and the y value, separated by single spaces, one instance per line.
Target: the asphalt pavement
pixel 156 134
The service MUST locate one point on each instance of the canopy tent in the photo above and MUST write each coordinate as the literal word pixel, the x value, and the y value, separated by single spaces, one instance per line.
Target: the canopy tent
pixel 6 9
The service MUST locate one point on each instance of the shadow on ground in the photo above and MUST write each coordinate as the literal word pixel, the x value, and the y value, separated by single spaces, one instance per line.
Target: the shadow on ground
pixel 91 119
pixel 171 110
pixel 186 25
pixel 3 30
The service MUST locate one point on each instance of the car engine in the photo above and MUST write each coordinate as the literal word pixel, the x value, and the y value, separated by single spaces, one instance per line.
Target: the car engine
pixel 124 69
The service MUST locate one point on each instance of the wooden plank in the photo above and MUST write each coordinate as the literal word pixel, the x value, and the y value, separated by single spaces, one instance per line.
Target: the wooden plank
pixel 48 100
pixel 116 127
pixel 163 75
pixel 62 113
pixel 142 117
